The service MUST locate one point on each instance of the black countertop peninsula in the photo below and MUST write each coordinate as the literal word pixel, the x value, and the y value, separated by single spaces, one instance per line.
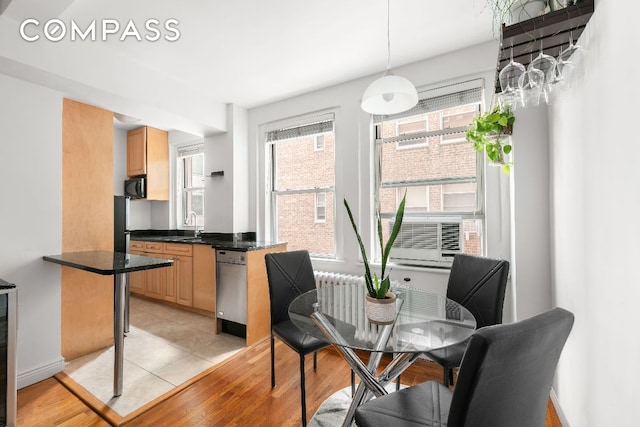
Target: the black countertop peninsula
pixel 223 241
pixel 115 264
pixel 107 263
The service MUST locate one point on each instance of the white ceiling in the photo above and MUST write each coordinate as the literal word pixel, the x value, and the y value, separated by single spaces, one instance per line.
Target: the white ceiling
pixel 253 52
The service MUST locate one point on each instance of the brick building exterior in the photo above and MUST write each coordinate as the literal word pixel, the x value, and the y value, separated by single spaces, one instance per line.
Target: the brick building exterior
pixel 306 165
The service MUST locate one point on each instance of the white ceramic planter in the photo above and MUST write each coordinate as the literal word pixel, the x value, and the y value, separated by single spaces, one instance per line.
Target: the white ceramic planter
pixel 381 311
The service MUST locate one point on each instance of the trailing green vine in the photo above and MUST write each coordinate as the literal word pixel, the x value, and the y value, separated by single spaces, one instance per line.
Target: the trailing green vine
pixel 490 132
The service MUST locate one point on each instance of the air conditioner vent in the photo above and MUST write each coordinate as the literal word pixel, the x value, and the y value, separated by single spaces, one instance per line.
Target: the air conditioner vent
pixel 427 242
pixel 451 236
pixel 417 236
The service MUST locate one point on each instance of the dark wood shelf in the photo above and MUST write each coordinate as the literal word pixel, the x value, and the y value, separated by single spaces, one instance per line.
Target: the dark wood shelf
pixel 550 31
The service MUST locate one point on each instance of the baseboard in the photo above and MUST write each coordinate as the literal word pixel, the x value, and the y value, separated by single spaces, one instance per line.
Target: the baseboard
pixel 40 373
pixel 556 406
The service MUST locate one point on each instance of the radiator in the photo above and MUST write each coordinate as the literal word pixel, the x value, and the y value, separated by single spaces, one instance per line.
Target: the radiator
pixel 354 313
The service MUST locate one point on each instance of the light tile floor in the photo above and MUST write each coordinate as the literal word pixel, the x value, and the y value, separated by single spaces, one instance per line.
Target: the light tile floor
pixel 164 348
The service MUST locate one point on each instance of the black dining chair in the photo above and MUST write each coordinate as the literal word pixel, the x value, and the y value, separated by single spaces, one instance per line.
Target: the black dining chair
pixel 504 381
pixel 291 274
pixel 478 284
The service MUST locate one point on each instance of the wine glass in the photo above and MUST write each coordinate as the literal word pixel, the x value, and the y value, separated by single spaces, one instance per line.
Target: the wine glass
pixel 571 50
pixel 509 77
pixel 567 58
pixel 531 84
pixel 546 64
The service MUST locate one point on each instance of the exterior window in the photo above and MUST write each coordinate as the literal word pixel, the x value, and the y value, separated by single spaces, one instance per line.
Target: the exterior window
pixel 457 118
pixel 442 180
pixel 321 207
pixel 190 200
pixel 406 127
pixel 303 184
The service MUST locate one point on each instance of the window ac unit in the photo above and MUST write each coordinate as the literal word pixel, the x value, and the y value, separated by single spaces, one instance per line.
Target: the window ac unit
pixel 427 242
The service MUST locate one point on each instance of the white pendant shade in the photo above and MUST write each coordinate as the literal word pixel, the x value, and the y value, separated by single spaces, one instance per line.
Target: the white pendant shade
pixel 389 95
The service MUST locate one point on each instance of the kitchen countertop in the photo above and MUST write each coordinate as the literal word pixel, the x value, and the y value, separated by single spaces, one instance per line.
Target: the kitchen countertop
pixel 107 263
pixel 213 241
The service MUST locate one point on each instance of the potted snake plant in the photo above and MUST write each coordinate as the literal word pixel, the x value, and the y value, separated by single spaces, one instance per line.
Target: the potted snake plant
pixel 380 302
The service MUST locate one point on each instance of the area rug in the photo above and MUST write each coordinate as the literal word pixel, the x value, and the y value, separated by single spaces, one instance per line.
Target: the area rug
pixel 332 411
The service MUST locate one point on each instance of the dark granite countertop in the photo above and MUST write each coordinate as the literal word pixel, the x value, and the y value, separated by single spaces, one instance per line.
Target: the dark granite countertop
pixel 223 241
pixel 107 263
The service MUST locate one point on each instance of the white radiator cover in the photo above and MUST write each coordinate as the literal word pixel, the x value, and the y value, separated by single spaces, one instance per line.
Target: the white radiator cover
pixel 354 314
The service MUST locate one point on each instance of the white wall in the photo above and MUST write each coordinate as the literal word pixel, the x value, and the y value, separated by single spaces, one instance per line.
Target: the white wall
pixel 353 155
pixel 530 217
pixel 31 220
pixel 227 197
pixel 595 177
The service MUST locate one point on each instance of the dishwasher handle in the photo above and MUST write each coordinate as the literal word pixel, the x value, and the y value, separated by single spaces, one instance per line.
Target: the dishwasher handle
pixel 231 257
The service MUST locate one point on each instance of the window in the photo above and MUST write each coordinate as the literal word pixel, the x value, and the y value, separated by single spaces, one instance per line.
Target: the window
pixel 321 207
pixel 457 118
pixel 407 127
pixel 303 183
pixel 190 176
pixel 442 180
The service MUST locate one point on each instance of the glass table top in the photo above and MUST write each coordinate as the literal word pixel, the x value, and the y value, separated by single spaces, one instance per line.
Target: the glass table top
pixel 425 320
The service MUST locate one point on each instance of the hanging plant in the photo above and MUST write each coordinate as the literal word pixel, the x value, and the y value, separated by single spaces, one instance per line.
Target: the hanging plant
pixel 491 132
pixel 513 11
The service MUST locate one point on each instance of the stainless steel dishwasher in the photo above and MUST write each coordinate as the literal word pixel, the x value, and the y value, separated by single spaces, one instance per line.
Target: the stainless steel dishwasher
pixel 231 287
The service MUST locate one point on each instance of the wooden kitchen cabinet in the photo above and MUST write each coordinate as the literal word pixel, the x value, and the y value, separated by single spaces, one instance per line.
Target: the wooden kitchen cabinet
pixel 184 280
pixel 175 284
pixel 181 272
pixel 204 278
pixel 156 279
pixel 137 152
pixel 137 278
pixel 148 155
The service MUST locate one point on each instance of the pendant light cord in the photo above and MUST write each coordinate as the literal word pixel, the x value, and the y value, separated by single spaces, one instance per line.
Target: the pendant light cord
pixel 388 37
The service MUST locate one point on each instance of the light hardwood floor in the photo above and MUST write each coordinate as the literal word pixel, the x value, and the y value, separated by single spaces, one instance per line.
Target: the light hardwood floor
pixel 236 393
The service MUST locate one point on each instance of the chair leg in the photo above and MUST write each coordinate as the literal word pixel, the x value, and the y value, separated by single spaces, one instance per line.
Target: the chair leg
pixel 315 360
pixel 273 365
pixel 353 383
pixel 447 378
pixel 398 383
pixel 302 392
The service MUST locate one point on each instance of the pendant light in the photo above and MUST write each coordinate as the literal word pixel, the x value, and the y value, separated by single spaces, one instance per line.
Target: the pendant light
pixel 389 94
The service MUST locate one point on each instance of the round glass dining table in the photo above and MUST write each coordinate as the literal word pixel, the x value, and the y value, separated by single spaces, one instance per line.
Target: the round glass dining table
pixel 424 321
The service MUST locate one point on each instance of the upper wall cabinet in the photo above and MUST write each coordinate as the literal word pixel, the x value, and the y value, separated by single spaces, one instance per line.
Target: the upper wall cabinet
pixel 148 155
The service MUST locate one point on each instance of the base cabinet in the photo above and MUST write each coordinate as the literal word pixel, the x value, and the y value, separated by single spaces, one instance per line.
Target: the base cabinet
pixel 190 281
pixel 184 280
pixel 137 279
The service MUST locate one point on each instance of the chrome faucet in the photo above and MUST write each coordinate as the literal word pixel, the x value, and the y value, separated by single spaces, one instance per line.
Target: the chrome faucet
pixel 195 222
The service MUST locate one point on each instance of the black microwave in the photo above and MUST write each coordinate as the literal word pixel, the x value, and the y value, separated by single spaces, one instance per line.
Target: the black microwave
pixel 136 188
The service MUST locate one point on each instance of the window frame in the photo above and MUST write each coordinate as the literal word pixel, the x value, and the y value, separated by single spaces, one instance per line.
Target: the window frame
pixel 274 192
pixel 450 141
pixel 409 144
pixel 479 178
pixel 182 212
pixel 318 206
